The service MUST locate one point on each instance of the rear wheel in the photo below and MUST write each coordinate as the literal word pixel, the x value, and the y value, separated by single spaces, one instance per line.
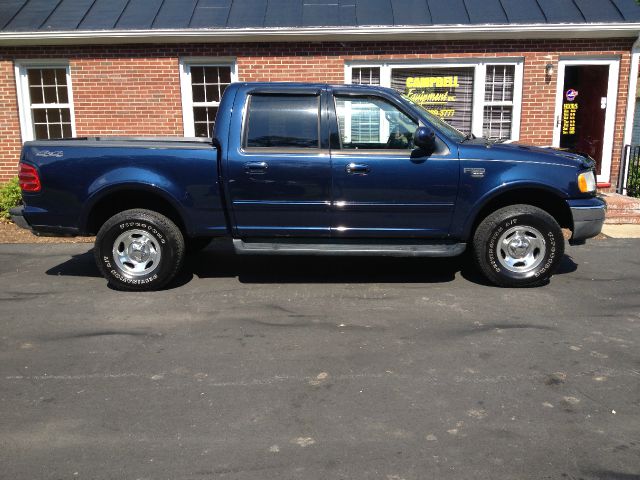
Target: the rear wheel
pixel 139 250
pixel 518 246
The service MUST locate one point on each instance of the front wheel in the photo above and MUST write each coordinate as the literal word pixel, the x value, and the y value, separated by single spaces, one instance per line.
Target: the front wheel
pixel 139 250
pixel 518 246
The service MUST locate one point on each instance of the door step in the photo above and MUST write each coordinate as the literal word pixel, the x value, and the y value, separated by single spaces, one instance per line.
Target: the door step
pixel 287 246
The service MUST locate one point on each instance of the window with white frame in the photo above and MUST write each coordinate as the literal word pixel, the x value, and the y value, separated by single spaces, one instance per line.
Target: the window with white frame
pixel 498 101
pixel 479 96
pixel 365 75
pixel 203 83
pixel 46 106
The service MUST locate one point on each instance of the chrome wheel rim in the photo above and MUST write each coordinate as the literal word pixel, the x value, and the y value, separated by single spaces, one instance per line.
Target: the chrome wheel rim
pixel 521 249
pixel 136 253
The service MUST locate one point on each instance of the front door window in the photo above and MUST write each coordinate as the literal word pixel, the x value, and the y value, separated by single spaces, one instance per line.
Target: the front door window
pixel 373 123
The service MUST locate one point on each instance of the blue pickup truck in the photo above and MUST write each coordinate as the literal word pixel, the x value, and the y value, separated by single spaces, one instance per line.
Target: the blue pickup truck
pixel 312 169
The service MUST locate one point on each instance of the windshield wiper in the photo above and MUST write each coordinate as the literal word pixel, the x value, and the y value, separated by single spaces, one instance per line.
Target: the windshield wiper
pixel 468 136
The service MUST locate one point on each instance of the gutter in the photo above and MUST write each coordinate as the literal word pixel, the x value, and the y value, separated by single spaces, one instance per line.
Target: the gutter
pixel 369 33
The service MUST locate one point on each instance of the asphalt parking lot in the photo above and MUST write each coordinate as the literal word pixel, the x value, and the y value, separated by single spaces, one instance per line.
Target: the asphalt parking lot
pixel 319 368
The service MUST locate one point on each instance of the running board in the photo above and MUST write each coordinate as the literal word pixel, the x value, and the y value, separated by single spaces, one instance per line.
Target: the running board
pixel 301 247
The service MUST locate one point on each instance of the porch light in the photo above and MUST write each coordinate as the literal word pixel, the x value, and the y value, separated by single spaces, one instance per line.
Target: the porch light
pixel 548 69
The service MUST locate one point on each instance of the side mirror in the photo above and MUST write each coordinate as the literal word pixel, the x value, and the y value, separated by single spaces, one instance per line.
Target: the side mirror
pixel 424 137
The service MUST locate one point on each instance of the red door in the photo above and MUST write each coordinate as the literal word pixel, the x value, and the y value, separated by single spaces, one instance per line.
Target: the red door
pixel 584 108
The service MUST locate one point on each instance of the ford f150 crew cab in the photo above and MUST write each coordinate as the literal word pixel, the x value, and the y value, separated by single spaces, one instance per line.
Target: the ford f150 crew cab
pixel 312 169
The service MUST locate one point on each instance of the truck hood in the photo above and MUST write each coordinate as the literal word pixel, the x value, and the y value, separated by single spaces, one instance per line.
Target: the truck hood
pixel 480 149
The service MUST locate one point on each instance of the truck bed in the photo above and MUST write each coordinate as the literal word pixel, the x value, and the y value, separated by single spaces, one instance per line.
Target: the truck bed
pixel 80 173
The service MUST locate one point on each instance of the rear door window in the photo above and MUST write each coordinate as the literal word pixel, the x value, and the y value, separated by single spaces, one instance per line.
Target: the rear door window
pixel 283 121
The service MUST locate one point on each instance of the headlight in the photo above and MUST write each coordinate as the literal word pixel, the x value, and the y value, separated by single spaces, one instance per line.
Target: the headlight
pixel 587 182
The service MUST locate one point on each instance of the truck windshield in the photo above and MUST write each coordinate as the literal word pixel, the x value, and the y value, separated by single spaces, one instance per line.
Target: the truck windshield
pixel 437 122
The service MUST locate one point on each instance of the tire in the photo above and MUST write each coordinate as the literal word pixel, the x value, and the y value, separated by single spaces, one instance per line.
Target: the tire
pixel 196 244
pixel 518 246
pixel 152 248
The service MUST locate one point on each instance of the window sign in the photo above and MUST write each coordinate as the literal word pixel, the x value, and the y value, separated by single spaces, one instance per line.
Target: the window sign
pixel 444 92
pixel 569 110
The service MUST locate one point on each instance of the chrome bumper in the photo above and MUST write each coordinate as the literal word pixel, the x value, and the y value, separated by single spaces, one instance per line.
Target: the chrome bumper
pixel 588 219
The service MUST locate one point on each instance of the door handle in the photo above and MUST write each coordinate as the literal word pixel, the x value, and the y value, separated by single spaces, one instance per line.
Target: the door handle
pixel 255 167
pixel 357 168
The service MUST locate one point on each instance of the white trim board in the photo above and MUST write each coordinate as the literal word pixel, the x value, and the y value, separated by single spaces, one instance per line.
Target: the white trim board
pixel 426 32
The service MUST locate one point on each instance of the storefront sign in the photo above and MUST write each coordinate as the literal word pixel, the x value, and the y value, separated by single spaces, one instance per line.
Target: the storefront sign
pixel 426 91
pixel 431 82
pixel 444 92
pixel 422 90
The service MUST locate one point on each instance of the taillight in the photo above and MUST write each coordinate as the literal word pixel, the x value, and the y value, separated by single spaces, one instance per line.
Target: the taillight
pixel 28 178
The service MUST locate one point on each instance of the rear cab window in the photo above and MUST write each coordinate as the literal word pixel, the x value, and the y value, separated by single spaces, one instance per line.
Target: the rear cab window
pixel 282 122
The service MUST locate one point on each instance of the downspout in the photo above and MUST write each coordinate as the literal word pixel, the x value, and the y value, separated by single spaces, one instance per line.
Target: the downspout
pixel 631 110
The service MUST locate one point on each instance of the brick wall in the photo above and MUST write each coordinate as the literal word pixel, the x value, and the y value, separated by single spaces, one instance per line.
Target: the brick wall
pixel 135 89
pixel 10 142
pixel 126 96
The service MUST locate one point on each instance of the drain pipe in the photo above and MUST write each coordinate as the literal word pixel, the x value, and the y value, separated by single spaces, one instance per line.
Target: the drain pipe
pixel 631 108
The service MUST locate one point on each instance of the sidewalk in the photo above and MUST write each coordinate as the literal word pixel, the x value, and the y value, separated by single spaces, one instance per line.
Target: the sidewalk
pixel 621 230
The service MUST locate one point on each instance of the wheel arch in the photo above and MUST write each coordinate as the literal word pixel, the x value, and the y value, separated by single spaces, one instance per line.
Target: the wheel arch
pixel 112 200
pixel 551 201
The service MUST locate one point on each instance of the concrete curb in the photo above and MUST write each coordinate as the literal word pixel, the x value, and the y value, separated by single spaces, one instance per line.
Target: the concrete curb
pixel 621 230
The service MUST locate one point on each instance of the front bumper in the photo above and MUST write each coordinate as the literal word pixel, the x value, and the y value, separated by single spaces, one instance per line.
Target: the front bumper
pixel 17 216
pixel 588 217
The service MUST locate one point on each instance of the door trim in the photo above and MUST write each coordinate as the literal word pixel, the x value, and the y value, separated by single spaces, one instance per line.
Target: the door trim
pixel 610 115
